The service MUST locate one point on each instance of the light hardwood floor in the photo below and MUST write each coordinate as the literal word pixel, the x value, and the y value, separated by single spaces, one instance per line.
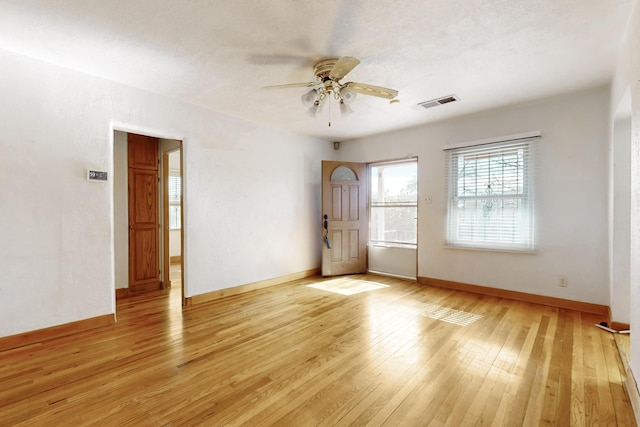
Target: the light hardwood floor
pixel 294 355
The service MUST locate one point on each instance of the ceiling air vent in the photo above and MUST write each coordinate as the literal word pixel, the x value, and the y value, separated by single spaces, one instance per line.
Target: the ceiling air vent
pixel 438 101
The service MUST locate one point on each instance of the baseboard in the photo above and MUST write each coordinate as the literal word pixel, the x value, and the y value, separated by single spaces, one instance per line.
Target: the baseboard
pixel 212 296
pixel 146 287
pixel 618 326
pixel 585 307
pixel 397 276
pixel 132 290
pixel 40 335
pixel 122 293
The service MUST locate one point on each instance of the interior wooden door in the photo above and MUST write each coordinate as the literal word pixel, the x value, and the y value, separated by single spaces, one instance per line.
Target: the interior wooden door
pixel 144 254
pixel 344 221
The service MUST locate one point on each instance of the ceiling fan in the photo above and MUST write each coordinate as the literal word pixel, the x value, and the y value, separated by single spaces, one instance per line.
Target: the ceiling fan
pixel 328 73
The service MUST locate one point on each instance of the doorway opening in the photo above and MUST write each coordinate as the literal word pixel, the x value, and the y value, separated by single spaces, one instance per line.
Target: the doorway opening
pixel 344 218
pixel 172 220
pixel 393 218
pixel 148 212
pixel 382 239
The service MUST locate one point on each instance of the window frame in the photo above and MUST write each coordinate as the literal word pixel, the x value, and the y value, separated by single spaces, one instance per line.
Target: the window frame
pixel 526 214
pixel 372 205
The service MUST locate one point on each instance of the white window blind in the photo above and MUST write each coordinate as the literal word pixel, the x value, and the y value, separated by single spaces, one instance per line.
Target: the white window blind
pixel 490 195
pixel 175 196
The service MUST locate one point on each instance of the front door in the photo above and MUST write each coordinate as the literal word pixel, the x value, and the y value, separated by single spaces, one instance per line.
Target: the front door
pixel 144 273
pixel 344 218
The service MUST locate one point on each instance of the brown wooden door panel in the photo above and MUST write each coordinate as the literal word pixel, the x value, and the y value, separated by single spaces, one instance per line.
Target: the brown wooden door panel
pixel 144 256
pixel 144 184
pixel 344 203
pixel 144 241
pixel 140 154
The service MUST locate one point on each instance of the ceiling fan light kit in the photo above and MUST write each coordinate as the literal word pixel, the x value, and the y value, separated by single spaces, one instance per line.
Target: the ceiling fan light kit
pixel 345 110
pixel 315 108
pixel 309 98
pixel 347 95
pixel 328 73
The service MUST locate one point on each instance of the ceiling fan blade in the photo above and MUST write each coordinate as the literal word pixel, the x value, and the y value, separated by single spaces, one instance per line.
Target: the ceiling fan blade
pixel 343 67
pixel 365 89
pixel 289 85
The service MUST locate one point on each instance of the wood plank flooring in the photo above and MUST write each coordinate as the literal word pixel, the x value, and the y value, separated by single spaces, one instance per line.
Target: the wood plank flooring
pixel 293 355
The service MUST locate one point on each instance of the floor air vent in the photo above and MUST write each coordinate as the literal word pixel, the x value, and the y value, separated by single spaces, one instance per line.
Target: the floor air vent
pixel 438 101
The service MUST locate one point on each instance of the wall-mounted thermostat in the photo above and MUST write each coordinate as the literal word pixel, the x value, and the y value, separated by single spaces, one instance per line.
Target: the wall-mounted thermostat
pixel 99 176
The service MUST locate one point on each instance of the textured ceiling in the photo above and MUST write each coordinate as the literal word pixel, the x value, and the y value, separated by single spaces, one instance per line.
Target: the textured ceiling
pixel 219 54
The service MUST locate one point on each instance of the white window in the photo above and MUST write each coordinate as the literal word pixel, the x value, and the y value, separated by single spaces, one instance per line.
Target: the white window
pixel 394 204
pixel 490 195
pixel 175 195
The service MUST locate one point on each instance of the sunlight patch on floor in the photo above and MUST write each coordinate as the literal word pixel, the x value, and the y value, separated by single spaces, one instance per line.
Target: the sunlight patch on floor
pixel 457 317
pixel 346 286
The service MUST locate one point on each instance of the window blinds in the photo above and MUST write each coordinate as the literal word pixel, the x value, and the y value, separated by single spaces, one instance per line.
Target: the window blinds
pixel 490 194
pixel 175 195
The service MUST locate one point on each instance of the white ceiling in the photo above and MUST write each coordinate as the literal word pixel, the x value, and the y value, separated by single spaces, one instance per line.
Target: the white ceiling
pixel 219 54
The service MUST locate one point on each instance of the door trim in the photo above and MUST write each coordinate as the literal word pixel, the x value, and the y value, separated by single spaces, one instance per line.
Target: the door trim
pixel 166 262
pixel 117 236
pixel 165 220
pixel 344 220
pixel 373 247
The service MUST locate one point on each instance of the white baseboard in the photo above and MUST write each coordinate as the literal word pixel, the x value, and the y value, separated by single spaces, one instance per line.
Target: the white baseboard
pixel 398 276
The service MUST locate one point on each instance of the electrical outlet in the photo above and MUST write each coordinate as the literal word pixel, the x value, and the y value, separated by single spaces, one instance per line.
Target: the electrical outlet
pixel 564 282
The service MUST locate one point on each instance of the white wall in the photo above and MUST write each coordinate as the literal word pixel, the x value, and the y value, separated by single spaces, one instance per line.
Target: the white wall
pixel 620 219
pixel 175 249
pixel 252 194
pixel 626 81
pixel 120 209
pixel 572 196
pixel 393 260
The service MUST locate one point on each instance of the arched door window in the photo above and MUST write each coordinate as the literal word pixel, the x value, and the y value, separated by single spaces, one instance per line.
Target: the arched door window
pixel 343 173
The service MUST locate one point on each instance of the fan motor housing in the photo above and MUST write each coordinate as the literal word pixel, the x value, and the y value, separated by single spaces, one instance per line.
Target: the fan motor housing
pixel 323 68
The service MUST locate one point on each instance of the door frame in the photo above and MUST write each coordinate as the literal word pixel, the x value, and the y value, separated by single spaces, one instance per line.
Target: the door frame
pixel 352 256
pixel 392 248
pixel 166 231
pixel 115 234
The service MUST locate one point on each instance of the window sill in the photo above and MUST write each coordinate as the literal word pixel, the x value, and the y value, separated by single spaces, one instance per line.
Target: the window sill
pixel 394 245
pixel 485 249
